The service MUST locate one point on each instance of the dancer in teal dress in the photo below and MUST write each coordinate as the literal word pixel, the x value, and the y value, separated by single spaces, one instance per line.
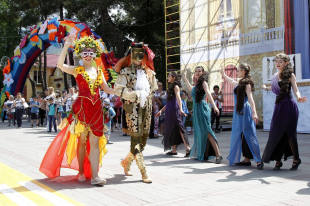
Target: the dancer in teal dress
pixel 205 143
pixel 243 134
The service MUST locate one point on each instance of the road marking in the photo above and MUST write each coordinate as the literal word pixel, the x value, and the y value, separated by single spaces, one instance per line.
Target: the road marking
pixel 45 194
pixel 19 189
pixel 15 196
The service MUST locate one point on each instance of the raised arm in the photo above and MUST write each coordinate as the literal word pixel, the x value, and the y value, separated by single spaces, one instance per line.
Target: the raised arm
pixel 189 87
pixel 251 101
pixel 227 78
pixel 296 90
pixel 210 98
pixel 61 59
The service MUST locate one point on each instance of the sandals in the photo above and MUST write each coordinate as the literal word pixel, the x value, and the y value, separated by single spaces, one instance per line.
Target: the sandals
pixel 171 153
pixel 295 164
pixel 188 152
pixel 260 165
pixel 278 165
pixel 218 160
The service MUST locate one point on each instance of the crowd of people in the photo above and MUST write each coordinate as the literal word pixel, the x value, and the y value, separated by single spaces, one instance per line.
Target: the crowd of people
pixel 46 109
pixel 139 105
pixel 50 107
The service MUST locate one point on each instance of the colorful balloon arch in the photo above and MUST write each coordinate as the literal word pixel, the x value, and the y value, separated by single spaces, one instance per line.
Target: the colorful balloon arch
pixel 43 35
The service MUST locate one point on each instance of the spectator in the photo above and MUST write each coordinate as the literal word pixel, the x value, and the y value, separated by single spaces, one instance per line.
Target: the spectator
pixel 4 112
pixel 34 111
pixel 108 116
pixel 69 100
pixel 160 99
pixel 218 99
pixel 51 109
pixel 9 105
pixel 19 111
pixel 52 106
pixel 42 110
pixel 118 110
pixel 184 105
pixel 60 109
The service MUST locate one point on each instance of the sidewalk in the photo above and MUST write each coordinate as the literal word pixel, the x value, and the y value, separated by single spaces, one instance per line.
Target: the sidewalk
pixel 176 180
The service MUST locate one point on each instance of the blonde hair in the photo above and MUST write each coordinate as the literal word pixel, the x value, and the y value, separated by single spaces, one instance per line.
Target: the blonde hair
pixel 50 90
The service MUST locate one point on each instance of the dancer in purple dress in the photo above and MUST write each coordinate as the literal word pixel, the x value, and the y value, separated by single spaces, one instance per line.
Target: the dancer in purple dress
pixel 174 131
pixel 283 136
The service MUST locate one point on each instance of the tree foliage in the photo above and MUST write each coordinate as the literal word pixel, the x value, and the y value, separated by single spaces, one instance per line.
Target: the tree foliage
pixel 118 22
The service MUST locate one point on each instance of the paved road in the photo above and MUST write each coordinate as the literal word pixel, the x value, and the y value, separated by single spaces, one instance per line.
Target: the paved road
pixel 176 180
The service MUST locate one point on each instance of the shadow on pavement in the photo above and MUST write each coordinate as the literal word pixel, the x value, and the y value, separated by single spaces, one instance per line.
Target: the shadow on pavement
pixel 305 191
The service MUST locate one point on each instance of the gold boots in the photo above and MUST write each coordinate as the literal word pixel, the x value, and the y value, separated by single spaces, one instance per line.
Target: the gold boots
pixel 127 162
pixel 141 166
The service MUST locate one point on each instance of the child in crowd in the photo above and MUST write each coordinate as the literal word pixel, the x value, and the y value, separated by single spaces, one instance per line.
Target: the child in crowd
pixel 34 111
pixel 109 114
pixel 184 105
pixel 9 105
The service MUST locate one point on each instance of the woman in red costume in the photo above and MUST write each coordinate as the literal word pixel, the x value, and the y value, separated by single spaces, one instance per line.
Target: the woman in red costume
pixel 81 143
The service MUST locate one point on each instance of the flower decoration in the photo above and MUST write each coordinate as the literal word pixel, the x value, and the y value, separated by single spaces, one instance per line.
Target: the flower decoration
pixel 7 68
pixel 61 32
pixel 87 42
pixel 7 94
pixel 8 80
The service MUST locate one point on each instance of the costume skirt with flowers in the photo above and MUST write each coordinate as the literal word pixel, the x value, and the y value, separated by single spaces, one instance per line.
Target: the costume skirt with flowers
pixel 62 153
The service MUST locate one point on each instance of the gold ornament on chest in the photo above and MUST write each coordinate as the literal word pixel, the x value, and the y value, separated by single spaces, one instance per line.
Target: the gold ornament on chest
pixel 92 85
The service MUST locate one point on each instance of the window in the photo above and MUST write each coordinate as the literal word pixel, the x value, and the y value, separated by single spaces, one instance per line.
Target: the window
pixel 37 77
pixel 225 10
pixel 228 89
pixel 254 13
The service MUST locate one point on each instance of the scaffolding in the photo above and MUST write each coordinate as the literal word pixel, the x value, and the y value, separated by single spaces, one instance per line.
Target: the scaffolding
pixel 172 35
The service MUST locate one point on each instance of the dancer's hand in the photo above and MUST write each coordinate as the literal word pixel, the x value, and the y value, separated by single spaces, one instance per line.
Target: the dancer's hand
pixel 217 111
pixel 302 99
pixel 182 113
pixel 158 114
pixel 255 117
pixel 264 87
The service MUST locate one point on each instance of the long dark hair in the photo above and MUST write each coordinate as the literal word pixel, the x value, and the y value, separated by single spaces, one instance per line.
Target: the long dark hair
pixel 240 90
pixel 285 75
pixel 199 90
pixel 171 86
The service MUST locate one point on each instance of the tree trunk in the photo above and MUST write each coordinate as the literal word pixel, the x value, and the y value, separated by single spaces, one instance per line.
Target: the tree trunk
pixel 40 72
pixel 65 77
pixel 71 61
pixel 44 71
pixel 33 86
pixel 61 11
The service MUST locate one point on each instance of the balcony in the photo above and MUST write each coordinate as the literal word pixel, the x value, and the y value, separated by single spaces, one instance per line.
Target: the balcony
pixel 255 42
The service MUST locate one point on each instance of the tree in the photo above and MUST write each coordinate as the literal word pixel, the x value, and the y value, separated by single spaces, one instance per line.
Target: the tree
pixel 142 20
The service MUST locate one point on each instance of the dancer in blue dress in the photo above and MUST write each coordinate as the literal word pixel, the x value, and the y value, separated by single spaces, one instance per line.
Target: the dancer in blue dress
pixel 243 135
pixel 205 143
